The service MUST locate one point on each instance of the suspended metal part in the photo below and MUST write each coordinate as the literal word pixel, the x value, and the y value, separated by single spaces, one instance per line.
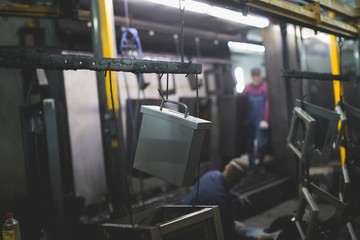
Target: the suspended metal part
pixel 15 59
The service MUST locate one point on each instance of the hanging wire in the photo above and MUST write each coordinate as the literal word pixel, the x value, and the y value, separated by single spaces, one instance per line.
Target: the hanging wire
pixel 182 11
pixel 197 115
pixel 341 44
pixel 126 13
pixel 167 86
pixel 117 134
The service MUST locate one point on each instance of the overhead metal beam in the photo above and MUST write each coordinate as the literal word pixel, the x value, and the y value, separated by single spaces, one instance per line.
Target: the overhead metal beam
pixel 302 15
pixel 337 7
pixel 15 59
pixel 25 10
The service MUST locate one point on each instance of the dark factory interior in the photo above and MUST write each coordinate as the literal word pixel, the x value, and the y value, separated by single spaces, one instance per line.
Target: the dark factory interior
pixel 180 119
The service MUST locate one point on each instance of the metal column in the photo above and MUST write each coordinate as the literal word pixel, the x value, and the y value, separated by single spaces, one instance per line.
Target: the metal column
pixel 103 34
pixel 335 66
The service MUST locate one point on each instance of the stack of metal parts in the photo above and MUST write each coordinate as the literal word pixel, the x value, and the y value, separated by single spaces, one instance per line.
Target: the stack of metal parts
pixel 345 209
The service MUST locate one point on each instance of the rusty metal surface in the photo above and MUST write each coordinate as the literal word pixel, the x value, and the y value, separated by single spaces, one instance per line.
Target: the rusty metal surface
pixel 310 16
pixel 16 59
pixel 337 7
pixel 29 10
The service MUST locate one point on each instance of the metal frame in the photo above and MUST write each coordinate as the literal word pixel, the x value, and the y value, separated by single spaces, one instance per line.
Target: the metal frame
pixel 333 118
pixel 16 59
pixel 301 115
pixel 54 165
pixel 338 217
pixel 352 110
pixel 307 198
pixel 164 229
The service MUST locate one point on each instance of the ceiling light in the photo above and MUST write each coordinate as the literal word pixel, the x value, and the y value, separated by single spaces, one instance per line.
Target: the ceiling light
pixel 238 17
pixel 219 12
pixel 192 6
pixel 245 47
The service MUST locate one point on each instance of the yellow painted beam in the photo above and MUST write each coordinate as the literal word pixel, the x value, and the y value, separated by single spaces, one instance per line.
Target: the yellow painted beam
pixel 108 46
pixel 335 66
pixel 337 7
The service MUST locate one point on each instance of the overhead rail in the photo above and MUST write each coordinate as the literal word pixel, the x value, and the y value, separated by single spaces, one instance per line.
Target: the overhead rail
pixel 16 59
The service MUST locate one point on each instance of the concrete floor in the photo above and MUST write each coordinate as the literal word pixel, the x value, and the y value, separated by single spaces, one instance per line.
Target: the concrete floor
pixel 264 219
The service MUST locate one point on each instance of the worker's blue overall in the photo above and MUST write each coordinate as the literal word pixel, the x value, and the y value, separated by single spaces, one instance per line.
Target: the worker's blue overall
pixel 215 190
pixel 256 105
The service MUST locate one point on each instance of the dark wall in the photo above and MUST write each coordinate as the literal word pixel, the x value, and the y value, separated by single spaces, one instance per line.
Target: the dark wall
pixel 279 116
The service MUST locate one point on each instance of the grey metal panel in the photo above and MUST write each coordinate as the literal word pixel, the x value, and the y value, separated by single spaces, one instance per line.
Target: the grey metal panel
pixel 54 168
pixel 12 164
pixel 85 135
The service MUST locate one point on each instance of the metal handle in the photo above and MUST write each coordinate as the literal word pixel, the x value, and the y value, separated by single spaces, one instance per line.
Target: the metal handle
pixel 186 114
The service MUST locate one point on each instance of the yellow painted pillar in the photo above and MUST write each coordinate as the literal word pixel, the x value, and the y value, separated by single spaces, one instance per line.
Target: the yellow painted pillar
pixel 106 12
pixel 335 66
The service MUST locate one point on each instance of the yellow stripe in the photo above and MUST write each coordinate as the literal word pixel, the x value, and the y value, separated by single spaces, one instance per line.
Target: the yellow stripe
pixel 107 38
pixel 335 66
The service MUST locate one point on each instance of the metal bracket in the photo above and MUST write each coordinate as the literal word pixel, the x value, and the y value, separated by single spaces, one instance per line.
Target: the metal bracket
pixel 315 8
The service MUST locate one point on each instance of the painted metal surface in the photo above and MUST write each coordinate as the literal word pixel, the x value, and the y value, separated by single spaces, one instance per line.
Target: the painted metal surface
pixel 169 144
pixel 14 59
pixel 54 167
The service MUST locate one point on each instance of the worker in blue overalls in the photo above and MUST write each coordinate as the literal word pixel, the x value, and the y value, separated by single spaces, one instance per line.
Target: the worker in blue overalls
pixel 258 114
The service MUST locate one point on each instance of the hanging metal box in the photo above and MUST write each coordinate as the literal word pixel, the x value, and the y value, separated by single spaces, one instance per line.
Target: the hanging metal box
pixel 169 144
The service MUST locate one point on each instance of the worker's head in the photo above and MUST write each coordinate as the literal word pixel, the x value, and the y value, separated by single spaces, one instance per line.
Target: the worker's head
pixel 256 76
pixel 235 170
